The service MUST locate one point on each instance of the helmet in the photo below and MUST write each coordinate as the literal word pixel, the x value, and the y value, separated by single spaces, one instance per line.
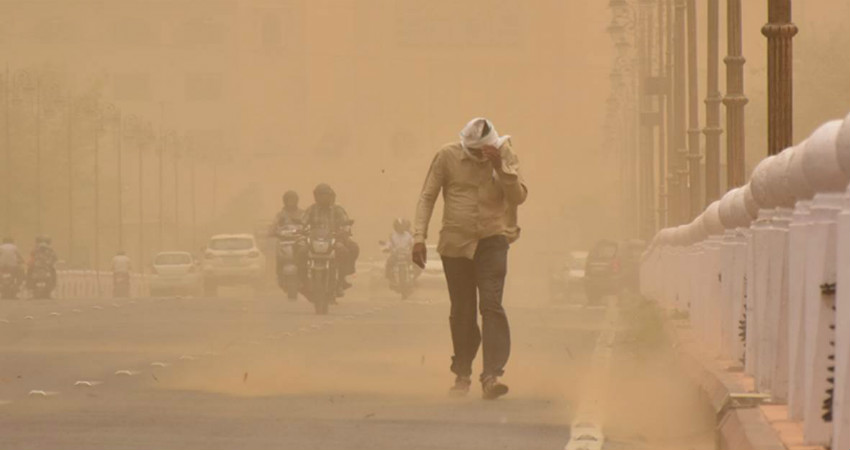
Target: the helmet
pixel 324 194
pixel 290 199
pixel 398 225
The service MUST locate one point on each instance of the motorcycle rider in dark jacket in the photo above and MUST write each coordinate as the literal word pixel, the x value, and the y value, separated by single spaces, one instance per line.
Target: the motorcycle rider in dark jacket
pixel 325 213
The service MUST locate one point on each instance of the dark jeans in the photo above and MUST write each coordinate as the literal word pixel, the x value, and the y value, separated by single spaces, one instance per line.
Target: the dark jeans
pixel 474 285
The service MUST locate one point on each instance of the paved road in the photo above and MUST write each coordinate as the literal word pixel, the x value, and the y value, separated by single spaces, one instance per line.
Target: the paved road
pixel 243 372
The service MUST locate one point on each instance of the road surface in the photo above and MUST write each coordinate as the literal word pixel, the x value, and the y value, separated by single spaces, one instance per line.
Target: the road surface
pixel 250 372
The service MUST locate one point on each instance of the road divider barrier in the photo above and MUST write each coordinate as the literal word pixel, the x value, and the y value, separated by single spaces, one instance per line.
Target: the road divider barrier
pixel 93 284
pixel 764 276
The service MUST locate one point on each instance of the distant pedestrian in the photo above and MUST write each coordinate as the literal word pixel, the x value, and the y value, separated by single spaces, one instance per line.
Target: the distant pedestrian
pixel 482 187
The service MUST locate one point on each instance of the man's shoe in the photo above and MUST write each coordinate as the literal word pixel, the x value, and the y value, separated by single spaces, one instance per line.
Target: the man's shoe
pixel 461 386
pixel 492 389
pixel 345 284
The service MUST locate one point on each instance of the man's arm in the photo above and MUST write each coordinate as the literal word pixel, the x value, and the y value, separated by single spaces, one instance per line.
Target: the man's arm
pixel 506 164
pixel 428 198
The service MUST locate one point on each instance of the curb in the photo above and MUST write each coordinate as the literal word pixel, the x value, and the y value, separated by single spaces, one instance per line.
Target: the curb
pixel 743 423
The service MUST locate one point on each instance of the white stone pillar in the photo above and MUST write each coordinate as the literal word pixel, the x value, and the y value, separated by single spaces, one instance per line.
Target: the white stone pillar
pixel 841 414
pixel 738 291
pixel 774 338
pixel 797 244
pixel 820 315
pixel 761 258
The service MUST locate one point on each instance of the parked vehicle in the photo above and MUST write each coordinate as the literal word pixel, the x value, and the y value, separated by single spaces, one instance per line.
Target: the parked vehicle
pixel 322 269
pixel 288 238
pixel 175 272
pixel 121 284
pixel 232 259
pixel 567 275
pixel 602 272
pixel 9 284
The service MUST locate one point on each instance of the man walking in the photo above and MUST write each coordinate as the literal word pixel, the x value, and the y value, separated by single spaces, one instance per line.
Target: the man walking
pixel 482 187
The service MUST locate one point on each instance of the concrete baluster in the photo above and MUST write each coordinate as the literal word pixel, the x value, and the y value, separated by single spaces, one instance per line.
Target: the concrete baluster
pixel 819 313
pixel 797 245
pixel 841 414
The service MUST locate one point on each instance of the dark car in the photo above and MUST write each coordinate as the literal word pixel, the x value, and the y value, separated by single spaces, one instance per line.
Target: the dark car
pixel 602 274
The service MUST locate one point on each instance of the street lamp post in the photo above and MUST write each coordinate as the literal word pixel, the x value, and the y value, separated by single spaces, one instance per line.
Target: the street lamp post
pixel 694 158
pixel 713 99
pixel 780 32
pixel 680 113
pixel 735 99
pixel 7 148
pixel 663 97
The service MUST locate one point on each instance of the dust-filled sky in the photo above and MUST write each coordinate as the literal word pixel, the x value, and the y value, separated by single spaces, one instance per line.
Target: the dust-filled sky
pixel 357 93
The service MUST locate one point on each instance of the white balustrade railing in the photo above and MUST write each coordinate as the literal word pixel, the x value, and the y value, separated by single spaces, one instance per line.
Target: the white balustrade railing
pixel 764 275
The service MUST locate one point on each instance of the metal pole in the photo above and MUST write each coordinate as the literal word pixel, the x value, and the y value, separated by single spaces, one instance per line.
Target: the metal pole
pixel 780 33
pixel 119 148
pixel 662 129
pixel 694 158
pixel 194 203
pixel 7 195
pixel 96 264
pixel 672 158
pixel 713 99
pixel 735 99
pixel 70 153
pixel 679 113
pixel 38 201
pixel 141 165
pixel 176 197
pixel 161 203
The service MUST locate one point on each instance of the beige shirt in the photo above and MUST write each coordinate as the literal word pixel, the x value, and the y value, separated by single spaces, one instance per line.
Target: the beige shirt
pixel 479 201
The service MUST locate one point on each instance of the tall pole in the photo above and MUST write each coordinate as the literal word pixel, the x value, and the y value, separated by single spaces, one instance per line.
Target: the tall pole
pixel 192 192
pixel 39 203
pixel 694 158
pixel 176 196
pixel 119 151
pixel 679 113
pixel 141 165
pixel 647 124
pixel 713 99
pixel 7 148
pixel 780 33
pixel 69 149
pixel 735 99
pixel 160 152
pixel 662 113
pixel 96 264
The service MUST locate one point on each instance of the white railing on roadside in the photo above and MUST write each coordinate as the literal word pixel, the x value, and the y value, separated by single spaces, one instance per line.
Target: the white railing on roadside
pixel 93 284
pixel 764 275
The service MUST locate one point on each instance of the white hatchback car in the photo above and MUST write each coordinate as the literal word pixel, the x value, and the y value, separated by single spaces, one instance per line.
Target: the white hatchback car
pixel 232 259
pixel 175 272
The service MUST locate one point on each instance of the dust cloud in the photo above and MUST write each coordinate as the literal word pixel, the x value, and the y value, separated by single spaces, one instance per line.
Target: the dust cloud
pixel 151 125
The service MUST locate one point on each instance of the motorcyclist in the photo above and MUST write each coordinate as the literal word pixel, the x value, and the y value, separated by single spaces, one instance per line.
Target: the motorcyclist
pixel 43 255
pixel 401 238
pixel 325 213
pixel 10 258
pixel 290 214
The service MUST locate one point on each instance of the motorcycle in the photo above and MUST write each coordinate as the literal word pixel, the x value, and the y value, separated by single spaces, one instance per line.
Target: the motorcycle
pixel 288 237
pixel 8 284
pixel 121 284
pixel 41 281
pixel 402 273
pixel 321 268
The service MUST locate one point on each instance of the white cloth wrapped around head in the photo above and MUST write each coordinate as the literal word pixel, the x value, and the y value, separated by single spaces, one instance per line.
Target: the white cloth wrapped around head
pixel 479 133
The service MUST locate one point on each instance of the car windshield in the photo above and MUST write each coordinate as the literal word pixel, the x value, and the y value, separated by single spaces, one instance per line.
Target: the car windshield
pixel 231 244
pixel 605 251
pixel 172 259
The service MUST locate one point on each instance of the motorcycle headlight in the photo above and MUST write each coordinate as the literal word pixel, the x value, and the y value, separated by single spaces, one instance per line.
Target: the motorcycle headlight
pixel 321 246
